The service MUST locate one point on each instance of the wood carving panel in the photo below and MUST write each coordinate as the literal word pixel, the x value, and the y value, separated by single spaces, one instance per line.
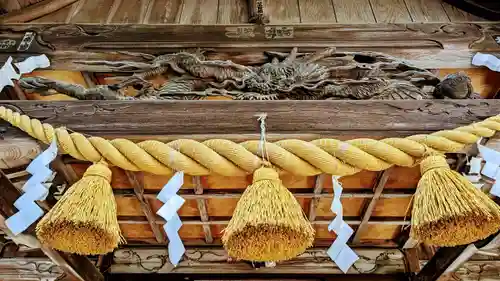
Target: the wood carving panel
pixel 432 45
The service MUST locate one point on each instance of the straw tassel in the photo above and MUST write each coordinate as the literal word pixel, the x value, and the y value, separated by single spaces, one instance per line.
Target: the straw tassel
pixel 268 223
pixel 448 210
pixel 84 220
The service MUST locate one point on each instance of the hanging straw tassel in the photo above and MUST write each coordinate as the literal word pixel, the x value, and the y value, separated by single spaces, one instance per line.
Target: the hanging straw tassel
pixel 448 210
pixel 268 223
pixel 84 220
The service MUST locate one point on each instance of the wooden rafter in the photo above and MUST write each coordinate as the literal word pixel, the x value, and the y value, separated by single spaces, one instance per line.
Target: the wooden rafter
pixel 379 187
pixel 313 119
pixel 146 207
pixel 35 11
pixel 202 208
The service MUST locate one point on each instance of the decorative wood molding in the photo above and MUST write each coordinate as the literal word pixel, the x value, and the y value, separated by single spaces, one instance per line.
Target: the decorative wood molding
pixel 321 118
pixel 29 269
pixel 215 260
pixel 433 45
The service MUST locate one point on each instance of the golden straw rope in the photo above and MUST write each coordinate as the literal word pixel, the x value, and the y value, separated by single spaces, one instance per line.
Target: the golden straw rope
pixel 227 158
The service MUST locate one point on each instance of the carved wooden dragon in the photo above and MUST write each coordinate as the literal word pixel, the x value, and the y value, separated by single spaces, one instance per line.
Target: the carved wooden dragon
pixel 322 75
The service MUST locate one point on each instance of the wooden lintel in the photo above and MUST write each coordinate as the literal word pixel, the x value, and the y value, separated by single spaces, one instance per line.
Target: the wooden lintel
pixel 426 45
pixel 146 207
pixel 379 187
pixel 76 267
pixel 215 260
pixel 321 118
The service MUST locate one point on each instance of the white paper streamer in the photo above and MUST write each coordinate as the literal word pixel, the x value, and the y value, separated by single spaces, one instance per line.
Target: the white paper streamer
pixel 34 189
pixel 491 168
pixel 168 211
pixel 487 60
pixel 339 252
pixel 32 63
pixel 7 73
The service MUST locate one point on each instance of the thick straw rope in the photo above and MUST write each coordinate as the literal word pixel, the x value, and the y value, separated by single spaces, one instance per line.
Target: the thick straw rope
pixel 227 158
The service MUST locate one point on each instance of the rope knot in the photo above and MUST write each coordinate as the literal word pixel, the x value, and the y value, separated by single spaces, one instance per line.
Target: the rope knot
pixel 99 170
pixel 433 162
pixel 265 173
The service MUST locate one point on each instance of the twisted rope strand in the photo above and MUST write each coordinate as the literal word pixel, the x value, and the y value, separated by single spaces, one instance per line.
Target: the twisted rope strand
pixel 227 158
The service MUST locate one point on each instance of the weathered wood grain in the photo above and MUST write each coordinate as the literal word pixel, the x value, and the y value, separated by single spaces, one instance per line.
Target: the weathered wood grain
pixel 317 11
pixel 428 45
pixel 92 11
pixel 59 16
pixel 282 12
pixel 390 11
pixel 456 14
pixel 354 11
pixel 232 11
pixel 164 11
pixel 426 10
pixel 238 117
pixel 35 11
pixel 129 11
pixel 199 12
pixel 17 150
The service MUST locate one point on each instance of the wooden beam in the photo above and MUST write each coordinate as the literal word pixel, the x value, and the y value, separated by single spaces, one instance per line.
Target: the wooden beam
pixel 158 220
pixel 202 208
pixel 215 260
pixel 75 266
pixel 16 149
pixel 379 187
pixel 322 118
pixel 35 11
pixel 447 259
pixel 426 45
pixel 146 207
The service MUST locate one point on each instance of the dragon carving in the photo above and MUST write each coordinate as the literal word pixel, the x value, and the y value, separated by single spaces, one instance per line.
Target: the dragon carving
pixel 323 75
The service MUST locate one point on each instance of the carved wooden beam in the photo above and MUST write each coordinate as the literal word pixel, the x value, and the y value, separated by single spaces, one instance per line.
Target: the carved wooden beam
pixel 215 260
pixel 316 118
pixel 75 266
pixel 433 45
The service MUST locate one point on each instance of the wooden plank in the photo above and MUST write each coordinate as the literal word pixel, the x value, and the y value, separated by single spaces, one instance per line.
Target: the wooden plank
pixel 390 11
pixel 318 117
pixel 455 14
pixel 353 11
pixel 16 150
pixel 35 11
pixel 317 11
pixel 282 12
pixel 130 12
pixel 428 45
pixel 232 11
pixel 145 207
pixel 426 10
pixel 199 12
pixel 59 16
pixel 379 187
pixel 209 260
pixel 93 11
pixel 76 266
pixel 164 11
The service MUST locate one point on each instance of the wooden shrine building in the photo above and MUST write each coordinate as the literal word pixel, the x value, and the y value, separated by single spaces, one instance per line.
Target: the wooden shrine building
pixel 195 72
